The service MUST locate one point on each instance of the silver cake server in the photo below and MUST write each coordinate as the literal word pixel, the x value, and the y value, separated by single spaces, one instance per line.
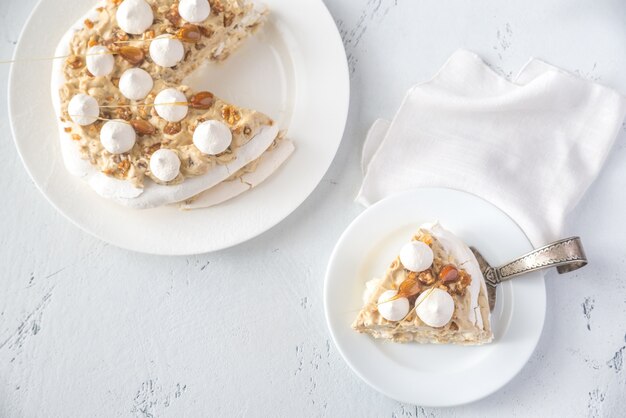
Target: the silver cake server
pixel 566 255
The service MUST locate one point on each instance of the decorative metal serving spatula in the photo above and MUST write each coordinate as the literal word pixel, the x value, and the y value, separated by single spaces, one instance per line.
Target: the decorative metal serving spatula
pixel 566 255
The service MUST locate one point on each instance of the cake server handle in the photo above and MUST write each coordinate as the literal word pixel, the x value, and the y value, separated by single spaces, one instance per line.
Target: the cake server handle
pixel 566 255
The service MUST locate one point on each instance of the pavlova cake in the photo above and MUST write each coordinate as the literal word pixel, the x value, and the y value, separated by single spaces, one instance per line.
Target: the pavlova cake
pixel 133 131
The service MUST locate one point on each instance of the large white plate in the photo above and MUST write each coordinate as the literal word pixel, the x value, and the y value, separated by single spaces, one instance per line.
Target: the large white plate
pixel 294 69
pixel 433 375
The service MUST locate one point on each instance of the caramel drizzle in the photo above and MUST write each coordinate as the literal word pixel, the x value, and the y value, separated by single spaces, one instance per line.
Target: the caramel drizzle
pixel 409 287
pixel 34 59
pixel 127 106
pixel 400 295
pixel 430 290
pixel 200 101
pixel 188 33
pixel 99 118
pixel 146 105
pixel 52 58
pixel 139 104
pixel 57 57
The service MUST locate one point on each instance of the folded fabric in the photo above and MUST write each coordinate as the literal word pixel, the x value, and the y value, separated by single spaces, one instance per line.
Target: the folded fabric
pixel 532 146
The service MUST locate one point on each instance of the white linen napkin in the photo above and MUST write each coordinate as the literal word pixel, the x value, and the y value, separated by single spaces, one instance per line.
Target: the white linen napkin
pixel 532 146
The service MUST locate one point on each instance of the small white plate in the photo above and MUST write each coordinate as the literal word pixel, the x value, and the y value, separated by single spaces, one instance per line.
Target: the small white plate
pixel 294 69
pixel 433 375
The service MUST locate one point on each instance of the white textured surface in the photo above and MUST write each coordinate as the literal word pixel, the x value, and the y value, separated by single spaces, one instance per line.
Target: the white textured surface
pixel 241 332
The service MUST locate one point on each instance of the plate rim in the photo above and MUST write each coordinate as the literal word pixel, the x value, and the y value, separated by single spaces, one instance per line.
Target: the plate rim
pixel 343 106
pixel 333 259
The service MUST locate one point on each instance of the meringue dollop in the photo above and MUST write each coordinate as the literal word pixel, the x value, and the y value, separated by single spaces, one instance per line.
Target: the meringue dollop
pixel 394 310
pixel 135 83
pixel 100 61
pixel 170 104
pixel 117 136
pixel 212 137
pixel 166 51
pixel 83 109
pixel 165 164
pixel 435 307
pixel 134 16
pixel 416 256
pixel 194 11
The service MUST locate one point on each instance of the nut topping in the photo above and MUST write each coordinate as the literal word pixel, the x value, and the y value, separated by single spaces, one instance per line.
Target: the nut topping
pixel 132 54
pixel 123 167
pixel 448 273
pixel 189 33
pixel 152 148
pixel 426 277
pixel 461 284
pixel 202 100
pixel 172 128
pixel 123 113
pixel 230 114
pixel 143 127
pixel 173 16
pixel 207 32
pixel 217 6
pixel 75 62
pixel 228 19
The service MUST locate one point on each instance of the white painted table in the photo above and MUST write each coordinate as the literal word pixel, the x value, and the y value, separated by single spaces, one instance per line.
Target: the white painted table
pixel 87 329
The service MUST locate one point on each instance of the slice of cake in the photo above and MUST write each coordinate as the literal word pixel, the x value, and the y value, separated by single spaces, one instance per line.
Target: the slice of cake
pixel 433 292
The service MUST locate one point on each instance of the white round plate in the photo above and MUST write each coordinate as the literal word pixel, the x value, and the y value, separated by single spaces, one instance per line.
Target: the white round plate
pixel 433 375
pixel 294 69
